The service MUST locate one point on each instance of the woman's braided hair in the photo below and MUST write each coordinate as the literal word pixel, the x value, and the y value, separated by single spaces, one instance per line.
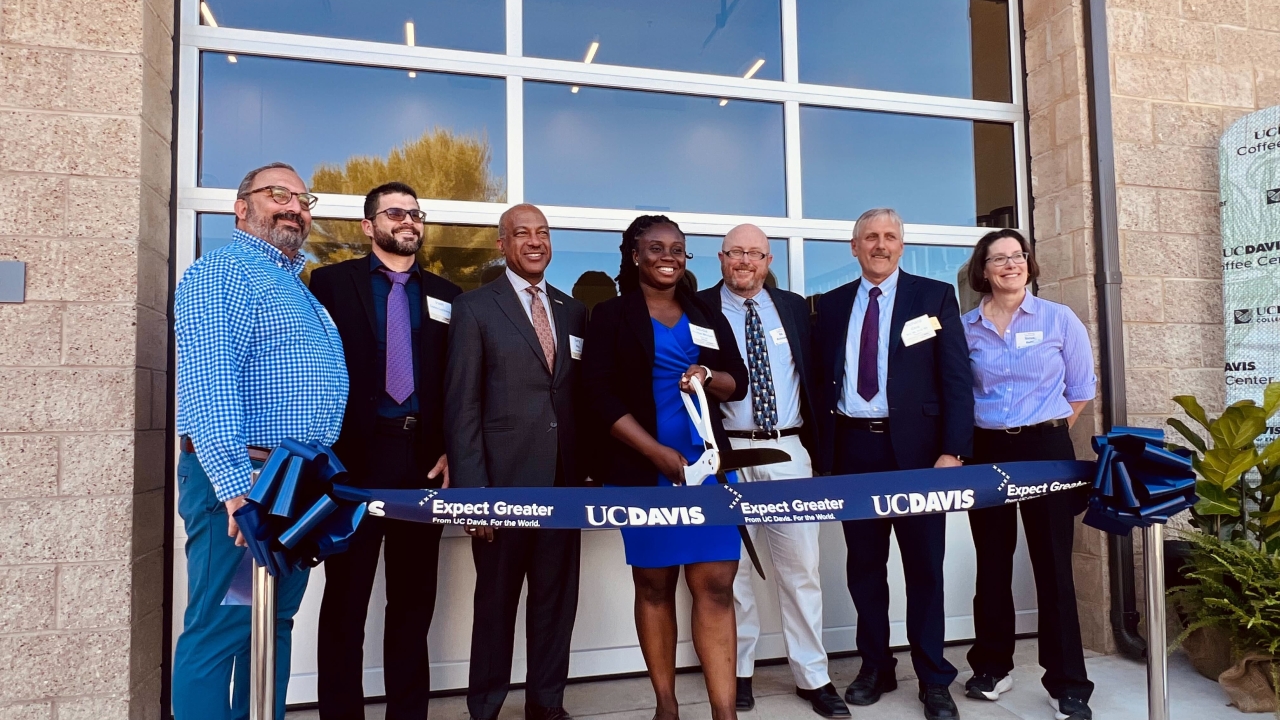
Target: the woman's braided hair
pixel 628 274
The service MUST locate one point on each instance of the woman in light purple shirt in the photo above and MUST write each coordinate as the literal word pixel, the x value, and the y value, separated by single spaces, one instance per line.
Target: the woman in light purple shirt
pixel 1032 375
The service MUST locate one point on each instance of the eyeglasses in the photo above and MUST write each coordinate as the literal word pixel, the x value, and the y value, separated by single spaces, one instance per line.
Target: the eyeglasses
pixel 754 255
pixel 282 195
pixel 1002 260
pixel 398 214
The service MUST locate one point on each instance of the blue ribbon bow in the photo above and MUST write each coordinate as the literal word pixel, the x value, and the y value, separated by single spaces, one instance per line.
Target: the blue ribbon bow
pixel 291 518
pixel 1139 481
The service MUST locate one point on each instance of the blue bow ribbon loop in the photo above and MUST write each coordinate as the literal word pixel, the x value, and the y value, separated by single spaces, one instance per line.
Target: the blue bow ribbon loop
pixel 1139 482
pixel 292 518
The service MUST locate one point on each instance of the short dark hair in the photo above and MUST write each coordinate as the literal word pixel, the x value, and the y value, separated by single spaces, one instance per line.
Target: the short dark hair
pixel 371 200
pixel 978 260
pixel 246 185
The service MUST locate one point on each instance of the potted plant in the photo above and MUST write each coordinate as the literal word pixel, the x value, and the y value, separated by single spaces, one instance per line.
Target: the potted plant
pixel 1230 600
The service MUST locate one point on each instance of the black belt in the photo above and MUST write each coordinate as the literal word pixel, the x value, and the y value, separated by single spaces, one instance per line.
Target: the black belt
pixel 256 454
pixel 1046 425
pixel 875 425
pixel 408 422
pixel 761 434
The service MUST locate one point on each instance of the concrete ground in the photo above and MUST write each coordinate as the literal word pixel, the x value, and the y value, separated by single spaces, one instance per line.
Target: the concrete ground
pixel 1120 694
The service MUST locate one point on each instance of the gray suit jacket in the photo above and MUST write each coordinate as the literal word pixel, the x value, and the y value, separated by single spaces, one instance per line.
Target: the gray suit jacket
pixel 507 418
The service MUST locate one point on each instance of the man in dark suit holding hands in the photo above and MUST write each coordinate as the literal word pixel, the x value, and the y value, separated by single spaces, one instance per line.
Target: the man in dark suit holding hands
pixel 511 392
pixel 897 395
pixel 393 317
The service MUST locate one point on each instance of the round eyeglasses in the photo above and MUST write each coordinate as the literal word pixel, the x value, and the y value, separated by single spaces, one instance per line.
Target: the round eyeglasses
pixel 282 195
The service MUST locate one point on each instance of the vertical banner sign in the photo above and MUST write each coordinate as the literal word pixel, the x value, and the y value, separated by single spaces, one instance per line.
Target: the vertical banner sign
pixel 1249 158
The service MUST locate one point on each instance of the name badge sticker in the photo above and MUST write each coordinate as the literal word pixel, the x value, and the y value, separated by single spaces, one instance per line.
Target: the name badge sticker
pixel 439 310
pixel 918 330
pixel 779 336
pixel 1028 339
pixel 575 347
pixel 703 337
pixel 934 322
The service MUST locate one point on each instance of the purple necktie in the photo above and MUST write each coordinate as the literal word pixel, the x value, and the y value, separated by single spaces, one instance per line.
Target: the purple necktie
pixel 399 339
pixel 869 350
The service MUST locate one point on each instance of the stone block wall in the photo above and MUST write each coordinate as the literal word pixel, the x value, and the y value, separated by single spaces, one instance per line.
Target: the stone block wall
pixel 85 125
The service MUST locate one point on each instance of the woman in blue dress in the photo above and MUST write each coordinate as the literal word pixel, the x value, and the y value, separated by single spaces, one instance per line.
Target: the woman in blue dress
pixel 642 349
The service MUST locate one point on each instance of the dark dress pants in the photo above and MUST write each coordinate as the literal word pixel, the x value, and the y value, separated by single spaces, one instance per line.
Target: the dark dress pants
pixel 411 559
pixel 921 543
pixel 1049 525
pixel 550 561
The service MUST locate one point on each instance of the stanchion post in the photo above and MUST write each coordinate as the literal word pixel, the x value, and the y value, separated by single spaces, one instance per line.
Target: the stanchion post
pixel 262 646
pixel 1157 643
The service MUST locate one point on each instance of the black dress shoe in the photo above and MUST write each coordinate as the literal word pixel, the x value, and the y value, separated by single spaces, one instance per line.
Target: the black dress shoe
pixel 825 701
pixel 1069 708
pixel 867 688
pixel 745 700
pixel 537 712
pixel 938 704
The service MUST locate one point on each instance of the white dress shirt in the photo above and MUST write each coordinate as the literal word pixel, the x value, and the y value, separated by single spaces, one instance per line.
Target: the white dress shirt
pixel 851 403
pixel 786 379
pixel 526 300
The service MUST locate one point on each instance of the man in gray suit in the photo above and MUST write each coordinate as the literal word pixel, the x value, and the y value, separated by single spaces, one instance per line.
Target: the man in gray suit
pixel 511 390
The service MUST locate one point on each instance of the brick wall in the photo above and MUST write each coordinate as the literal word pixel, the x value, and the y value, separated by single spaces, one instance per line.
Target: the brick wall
pixel 85 122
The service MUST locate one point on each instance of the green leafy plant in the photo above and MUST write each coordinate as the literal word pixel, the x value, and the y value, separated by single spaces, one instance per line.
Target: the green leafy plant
pixel 1233 504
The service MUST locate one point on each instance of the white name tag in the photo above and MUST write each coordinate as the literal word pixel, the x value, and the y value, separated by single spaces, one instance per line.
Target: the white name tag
pixel 918 330
pixel 703 337
pixel 575 347
pixel 779 336
pixel 1028 339
pixel 439 310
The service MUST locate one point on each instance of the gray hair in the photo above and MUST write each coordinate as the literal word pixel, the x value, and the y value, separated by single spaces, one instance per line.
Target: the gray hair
pixel 246 185
pixel 876 214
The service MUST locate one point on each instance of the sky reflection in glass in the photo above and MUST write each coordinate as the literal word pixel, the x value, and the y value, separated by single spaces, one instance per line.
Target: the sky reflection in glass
pixel 955 48
pixel 259 110
pixel 652 151
pixel 707 36
pixel 455 24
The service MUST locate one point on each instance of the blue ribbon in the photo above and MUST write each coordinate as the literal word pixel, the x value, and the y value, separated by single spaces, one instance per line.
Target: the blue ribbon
pixel 1139 481
pixel 292 518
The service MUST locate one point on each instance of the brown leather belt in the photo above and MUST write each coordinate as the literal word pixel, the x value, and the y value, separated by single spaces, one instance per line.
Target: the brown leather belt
pixel 256 454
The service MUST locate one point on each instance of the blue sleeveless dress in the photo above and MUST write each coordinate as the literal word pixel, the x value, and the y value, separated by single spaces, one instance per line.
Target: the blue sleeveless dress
pixel 655 547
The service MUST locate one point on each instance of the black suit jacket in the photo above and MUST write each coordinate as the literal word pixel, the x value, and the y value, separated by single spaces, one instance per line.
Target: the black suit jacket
pixel 930 385
pixel 509 419
pixel 618 369
pixel 793 310
pixel 346 291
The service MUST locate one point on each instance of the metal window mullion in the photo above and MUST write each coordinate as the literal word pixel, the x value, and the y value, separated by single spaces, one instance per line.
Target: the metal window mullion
pixel 188 110
pixel 792 163
pixel 359 52
pixel 790 43
pixel 1022 176
pixel 795 264
pixel 515 139
pixel 1015 53
pixel 515 28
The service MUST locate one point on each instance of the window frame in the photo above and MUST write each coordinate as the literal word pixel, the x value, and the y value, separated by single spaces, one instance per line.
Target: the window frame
pixel 196 38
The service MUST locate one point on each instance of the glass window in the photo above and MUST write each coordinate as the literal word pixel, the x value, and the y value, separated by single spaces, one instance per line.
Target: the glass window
pixel 957 48
pixel 936 171
pixel 652 151
pixel 828 264
pixel 445 135
pixel 742 37
pixel 463 254
pixel 456 24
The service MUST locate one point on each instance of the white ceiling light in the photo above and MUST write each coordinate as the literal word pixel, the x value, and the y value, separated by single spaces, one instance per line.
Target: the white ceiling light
pixel 408 40
pixel 591 55
pixel 207 15
pixel 755 67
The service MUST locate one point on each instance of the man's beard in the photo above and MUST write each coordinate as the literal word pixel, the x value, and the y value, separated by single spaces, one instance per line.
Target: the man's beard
pixel 751 286
pixel 389 242
pixel 280 236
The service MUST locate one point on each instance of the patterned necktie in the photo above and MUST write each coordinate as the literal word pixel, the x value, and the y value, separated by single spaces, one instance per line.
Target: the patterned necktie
pixel 869 351
pixel 764 402
pixel 542 326
pixel 399 339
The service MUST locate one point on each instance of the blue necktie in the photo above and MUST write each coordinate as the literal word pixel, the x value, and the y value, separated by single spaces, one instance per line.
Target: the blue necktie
pixel 869 350
pixel 764 402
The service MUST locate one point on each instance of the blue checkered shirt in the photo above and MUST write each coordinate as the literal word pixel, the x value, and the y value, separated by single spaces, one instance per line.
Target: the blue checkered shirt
pixel 259 359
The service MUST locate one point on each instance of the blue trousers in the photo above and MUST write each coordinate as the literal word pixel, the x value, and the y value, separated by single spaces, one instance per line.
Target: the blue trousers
pixel 213 649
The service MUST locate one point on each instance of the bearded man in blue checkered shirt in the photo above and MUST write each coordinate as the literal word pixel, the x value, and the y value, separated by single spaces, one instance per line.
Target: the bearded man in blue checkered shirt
pixel 259 360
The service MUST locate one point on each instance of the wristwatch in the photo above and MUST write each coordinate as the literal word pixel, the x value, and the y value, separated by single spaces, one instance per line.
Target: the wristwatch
pixel 709 373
